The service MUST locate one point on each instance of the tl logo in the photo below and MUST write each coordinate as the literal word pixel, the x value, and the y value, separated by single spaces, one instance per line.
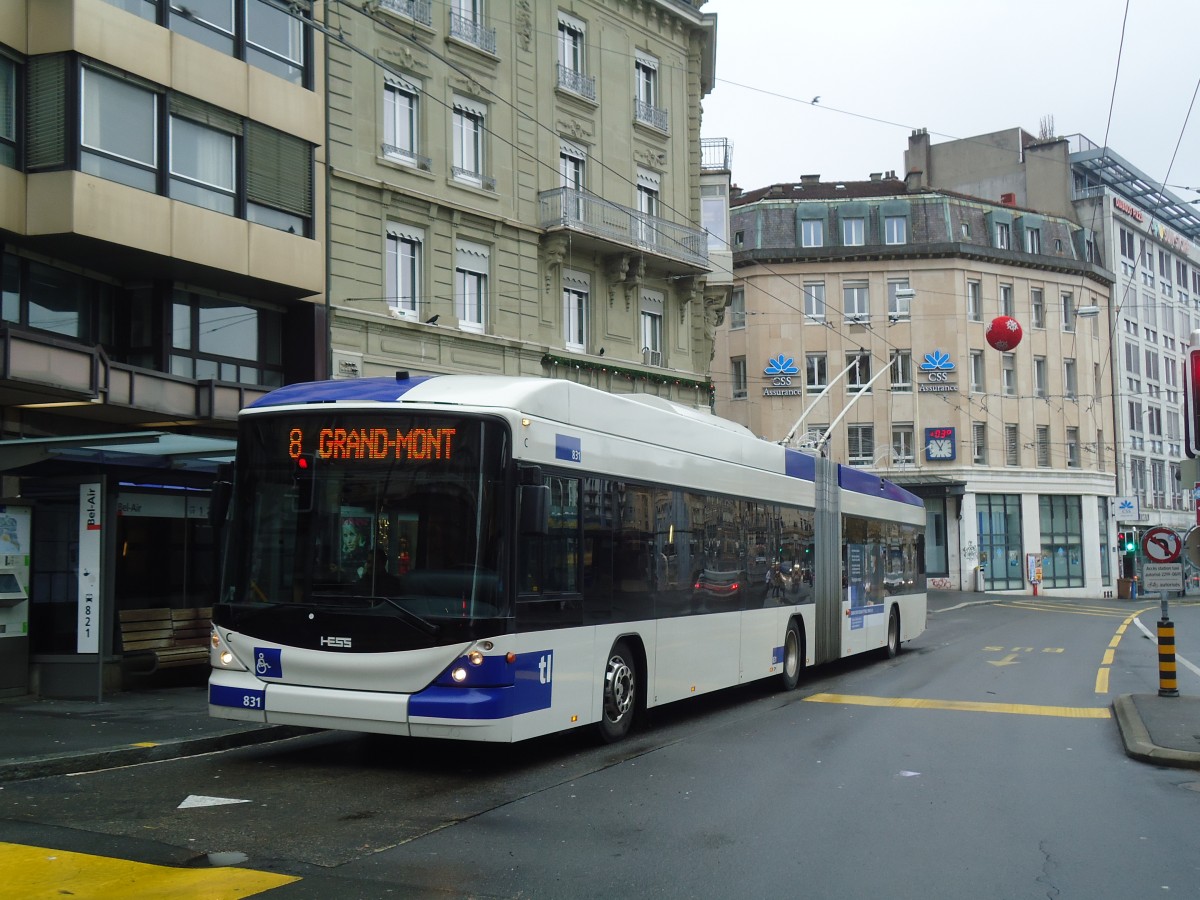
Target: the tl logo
pixel 937 360
pixel 781 365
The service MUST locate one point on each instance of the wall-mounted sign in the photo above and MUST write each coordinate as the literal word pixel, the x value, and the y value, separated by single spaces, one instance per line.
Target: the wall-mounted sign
pixel 781 369
pixel 1129 209
pixel 940 444
pixel 936 368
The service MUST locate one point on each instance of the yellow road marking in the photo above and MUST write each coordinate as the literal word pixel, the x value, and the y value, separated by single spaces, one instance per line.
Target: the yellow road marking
pixel 1102 680
pixel 1021 709
pixel 39 872
pixel 1110 653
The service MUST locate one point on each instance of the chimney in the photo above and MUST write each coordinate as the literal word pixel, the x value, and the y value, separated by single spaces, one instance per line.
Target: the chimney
pixel 810 179
pixel 876 176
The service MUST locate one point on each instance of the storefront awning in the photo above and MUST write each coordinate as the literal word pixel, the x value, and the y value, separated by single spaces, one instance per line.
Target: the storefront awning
pixel 141 449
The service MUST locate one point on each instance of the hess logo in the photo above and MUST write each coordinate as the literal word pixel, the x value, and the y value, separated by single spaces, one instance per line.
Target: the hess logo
pixel 342 643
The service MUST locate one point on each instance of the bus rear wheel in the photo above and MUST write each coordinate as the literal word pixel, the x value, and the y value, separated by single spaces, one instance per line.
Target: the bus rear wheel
pixel 620 693
pixel 793 658
pixel 893 637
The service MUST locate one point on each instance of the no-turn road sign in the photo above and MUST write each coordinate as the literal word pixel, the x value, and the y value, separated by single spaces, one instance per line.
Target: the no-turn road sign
pixel 1161 545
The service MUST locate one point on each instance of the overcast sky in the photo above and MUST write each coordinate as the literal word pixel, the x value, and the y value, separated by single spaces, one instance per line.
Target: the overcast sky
pixel 959 68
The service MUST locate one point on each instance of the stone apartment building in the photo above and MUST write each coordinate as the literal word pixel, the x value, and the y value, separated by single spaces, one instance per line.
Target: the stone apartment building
pixel 859 328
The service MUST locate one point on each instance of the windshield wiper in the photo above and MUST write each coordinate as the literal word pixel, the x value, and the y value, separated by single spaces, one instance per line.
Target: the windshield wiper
pixel 371 600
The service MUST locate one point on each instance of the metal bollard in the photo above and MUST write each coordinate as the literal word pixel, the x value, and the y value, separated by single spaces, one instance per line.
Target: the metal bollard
pixel 1167 684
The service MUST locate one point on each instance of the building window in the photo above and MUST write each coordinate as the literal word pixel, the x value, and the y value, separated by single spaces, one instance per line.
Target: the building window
pixel 1068 312
pixel 648 186
pixel 902 444
pixel 1037 303
pixel 895 230
pixel 899 300
pixel 1062 540
pixel 203 165
pixel 467 123
pixel 213 158
pixel 979 443
pixel 1006 300
pixel 853 232
pixel 1072 448
pixel 400 125
pixel 1070 380
pixel 1043 445
pixel 8 112
pixel 975 301
pixel 999 528
pixel 812 233
pixel 259 32
pixel 814 300
pixel 737 309
pixel 816 371
pixel 856 301
pixel 571 75
pixel 902 371
pixel 1008 374
pixel 226 341
pixel 54 300
pixel 1012 446
pixel 651 319
pixel 647 108
pixel 576 294
pixel 859 374
pixel 119 131
pixel 466 24
pixel 738 367
pixel 1003 235
pixel 471 285
pixel 1039 376
pixel 403 270
pixel 977 383
pixel 1033 240
pixel 860 444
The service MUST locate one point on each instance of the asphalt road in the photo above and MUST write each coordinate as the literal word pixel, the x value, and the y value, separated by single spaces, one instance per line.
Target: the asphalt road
pixel 983 762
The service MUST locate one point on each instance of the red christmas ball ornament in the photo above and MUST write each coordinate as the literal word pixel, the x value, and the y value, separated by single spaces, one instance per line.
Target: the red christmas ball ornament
pixel 1003 333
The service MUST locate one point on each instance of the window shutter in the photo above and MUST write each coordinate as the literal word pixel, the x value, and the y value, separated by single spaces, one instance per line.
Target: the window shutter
pixel 278 170
pixel 205 113
pixel 46 116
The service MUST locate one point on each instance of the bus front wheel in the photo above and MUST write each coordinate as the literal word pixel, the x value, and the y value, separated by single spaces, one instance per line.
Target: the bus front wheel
pixel 893 636
pixel 620 693
pixel 793 657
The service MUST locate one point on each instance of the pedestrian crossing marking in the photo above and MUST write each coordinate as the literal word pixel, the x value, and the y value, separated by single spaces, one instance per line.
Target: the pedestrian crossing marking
pixel 43 872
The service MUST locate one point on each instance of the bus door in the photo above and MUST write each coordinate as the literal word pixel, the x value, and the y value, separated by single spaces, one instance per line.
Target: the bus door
pixel 856 611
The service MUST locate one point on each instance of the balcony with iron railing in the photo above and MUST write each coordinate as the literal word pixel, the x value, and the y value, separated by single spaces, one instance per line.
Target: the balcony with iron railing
pixel 716 154
pixel 576 82
pixel 424 163
pixel 474 33
pixel 420 11
pixel 583 213
pixel 646 114
pixel 486 182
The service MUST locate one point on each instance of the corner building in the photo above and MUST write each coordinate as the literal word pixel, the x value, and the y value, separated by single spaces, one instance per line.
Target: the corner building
pixel 858 328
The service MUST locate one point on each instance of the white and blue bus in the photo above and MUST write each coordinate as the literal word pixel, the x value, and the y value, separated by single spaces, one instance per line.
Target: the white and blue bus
pixel 497 558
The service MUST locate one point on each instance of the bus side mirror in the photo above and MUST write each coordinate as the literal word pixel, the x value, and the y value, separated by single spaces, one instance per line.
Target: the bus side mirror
pixel 535 509
pixel 222 493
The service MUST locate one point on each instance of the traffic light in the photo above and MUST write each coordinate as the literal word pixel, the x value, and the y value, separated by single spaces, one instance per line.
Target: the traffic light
pixel 1191 398
pixel 1128 543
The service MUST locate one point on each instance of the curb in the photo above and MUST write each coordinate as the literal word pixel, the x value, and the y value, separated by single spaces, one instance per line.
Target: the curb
pixel 128 755
pixel 1137 739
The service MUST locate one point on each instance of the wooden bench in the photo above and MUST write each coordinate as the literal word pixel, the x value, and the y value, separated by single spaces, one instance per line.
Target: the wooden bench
pixel 166 637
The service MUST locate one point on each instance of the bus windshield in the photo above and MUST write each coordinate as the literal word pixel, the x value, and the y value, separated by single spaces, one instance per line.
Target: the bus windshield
pixel 389 513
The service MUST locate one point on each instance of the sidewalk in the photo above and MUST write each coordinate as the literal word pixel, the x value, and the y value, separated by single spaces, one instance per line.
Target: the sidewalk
pixel 42 737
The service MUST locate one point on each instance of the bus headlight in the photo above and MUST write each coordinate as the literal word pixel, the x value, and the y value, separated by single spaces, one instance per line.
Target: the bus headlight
pixel 459 674
pixel 226 657
pixel 475 658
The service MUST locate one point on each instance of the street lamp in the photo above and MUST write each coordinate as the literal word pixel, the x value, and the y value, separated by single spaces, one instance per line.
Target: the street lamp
pixel 1087 312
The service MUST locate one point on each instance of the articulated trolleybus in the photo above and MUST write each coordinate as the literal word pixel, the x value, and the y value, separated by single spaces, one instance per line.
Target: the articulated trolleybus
pixel 494 558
